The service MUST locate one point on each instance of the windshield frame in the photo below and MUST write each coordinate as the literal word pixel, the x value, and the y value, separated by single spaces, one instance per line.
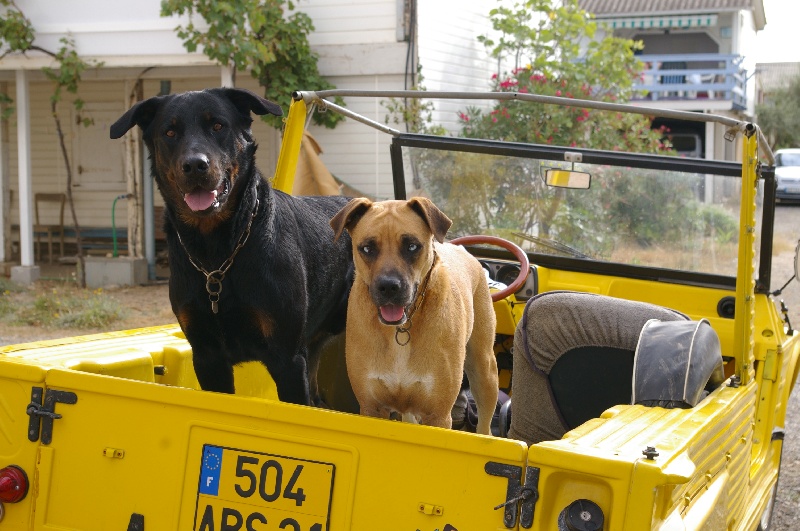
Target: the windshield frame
pixel 592 156
pixel 759 163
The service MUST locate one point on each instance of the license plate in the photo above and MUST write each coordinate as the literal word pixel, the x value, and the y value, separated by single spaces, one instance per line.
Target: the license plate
pixel 244 490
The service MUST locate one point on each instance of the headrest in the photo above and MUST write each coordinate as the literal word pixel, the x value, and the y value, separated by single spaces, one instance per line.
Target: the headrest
pixel 675 361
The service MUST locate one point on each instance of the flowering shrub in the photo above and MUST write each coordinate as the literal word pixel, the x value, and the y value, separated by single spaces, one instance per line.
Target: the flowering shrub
pixel 599 69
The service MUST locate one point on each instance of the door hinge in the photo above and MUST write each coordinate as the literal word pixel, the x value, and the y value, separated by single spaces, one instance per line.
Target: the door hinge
pixel 519 497
pixel 43 412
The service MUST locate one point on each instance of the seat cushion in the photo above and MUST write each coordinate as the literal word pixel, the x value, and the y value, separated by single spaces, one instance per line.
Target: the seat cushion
pixel 602 332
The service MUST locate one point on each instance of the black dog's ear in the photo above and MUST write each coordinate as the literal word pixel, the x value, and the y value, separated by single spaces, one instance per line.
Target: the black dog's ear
pixel 437 221
pixel 141 114
pixel 349 215
pixel 247 102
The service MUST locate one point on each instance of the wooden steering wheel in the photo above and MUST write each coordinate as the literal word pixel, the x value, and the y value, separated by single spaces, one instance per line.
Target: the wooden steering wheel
pixel 513 248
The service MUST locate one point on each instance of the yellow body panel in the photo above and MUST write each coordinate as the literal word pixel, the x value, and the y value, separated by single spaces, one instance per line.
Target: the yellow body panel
pixel 133 447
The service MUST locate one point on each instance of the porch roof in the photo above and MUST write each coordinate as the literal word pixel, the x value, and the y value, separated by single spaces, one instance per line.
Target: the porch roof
pixel 629 8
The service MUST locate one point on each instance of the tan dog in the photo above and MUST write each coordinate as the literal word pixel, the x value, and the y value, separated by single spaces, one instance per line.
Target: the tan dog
pixel 406 275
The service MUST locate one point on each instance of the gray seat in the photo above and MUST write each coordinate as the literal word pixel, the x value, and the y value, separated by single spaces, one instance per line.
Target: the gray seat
pixel 575 354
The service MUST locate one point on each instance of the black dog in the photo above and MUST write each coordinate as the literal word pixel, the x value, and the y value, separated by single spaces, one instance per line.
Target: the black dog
pixel 254 273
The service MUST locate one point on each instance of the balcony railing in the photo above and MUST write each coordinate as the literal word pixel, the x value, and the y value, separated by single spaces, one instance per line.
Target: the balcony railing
pixel 688 77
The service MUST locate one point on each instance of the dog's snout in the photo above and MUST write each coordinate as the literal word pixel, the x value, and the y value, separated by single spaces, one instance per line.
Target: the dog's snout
pixel 196 164
pixel 389 286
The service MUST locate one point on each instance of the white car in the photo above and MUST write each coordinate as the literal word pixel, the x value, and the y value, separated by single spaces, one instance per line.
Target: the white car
pixel 787 174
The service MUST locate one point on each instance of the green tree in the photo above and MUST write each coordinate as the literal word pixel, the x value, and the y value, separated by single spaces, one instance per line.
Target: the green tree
pixel 779 116
pixel 17 35
pixel 552 49
pixel 265 37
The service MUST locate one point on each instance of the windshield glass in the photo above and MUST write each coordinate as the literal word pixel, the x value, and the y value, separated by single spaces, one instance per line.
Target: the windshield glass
pixel 787 159
pixel 644 217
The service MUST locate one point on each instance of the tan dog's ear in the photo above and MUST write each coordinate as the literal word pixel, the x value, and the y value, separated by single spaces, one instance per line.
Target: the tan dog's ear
pixel 435 218
pixel 349 215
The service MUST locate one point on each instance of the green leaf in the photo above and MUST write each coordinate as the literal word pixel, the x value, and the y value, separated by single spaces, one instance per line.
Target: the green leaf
pixel 256 36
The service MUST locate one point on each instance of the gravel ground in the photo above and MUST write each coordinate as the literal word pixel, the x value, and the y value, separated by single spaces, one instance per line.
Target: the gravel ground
pixel 787 506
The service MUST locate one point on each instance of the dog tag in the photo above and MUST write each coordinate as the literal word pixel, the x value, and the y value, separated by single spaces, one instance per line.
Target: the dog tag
pixel 214 307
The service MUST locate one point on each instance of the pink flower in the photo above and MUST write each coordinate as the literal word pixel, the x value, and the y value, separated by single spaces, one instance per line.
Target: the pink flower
pixel 494 76
pixel 558 92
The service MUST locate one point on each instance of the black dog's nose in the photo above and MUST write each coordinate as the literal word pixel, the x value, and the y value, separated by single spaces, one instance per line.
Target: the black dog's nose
pixel 196 164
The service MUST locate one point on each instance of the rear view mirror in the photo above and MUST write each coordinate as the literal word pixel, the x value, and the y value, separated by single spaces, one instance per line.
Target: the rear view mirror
pixel 568 179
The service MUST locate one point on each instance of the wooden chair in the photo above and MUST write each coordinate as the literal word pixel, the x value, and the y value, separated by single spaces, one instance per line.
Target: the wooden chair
pixel 50 230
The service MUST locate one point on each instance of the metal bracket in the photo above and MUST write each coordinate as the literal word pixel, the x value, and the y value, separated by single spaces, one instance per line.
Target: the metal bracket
pixel 43 412
pixel 518 496
pixel 136 522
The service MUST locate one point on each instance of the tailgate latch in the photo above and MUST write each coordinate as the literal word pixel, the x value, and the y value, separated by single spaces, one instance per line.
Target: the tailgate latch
pixel 520 497
pixel 43 412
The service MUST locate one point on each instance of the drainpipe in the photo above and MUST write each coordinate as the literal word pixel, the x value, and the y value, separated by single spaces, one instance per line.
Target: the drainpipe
pixel 115 252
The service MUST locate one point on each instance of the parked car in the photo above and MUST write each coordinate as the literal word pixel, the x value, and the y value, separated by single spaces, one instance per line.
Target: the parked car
pixel 787 174
pixel 672 431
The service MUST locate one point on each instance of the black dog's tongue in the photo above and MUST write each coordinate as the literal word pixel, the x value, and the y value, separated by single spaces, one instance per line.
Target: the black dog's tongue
pixel 200 200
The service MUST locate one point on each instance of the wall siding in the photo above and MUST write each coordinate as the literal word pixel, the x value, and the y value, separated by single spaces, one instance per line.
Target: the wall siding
pixel 93 205
pixel 450 55
pixel 357 42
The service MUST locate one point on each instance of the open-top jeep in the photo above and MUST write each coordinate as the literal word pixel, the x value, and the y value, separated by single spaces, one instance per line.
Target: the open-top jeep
pixel 647 366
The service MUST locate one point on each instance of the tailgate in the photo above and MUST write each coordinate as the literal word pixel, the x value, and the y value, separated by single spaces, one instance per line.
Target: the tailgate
pixel 128 453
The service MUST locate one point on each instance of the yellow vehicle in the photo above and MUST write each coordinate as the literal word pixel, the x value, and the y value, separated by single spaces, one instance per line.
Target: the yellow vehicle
pixel 110 432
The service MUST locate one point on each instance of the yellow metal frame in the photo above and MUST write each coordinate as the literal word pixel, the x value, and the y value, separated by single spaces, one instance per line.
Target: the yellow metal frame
pixel 745 275
pixel 290 147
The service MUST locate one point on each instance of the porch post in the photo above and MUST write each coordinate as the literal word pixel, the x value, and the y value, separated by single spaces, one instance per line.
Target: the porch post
pixel 26 272
pixel 226 77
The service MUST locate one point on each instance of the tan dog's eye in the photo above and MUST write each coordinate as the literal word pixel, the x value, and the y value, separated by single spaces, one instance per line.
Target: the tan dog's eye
pixel 413 247
pixel 365 249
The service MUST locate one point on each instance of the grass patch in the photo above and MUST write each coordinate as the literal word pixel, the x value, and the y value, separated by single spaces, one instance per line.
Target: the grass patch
pixel 65 309
pixel 7 289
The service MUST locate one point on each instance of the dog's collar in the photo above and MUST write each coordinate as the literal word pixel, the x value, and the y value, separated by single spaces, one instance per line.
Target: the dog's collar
pixel 404 330
pixel 214 278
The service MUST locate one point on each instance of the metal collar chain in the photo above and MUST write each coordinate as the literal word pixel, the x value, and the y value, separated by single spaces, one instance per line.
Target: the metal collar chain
pixel 214 278
pixel 404 331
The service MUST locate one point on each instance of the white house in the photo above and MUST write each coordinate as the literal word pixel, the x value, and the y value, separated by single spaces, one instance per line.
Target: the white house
pixel 362 44
pixel 696 54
